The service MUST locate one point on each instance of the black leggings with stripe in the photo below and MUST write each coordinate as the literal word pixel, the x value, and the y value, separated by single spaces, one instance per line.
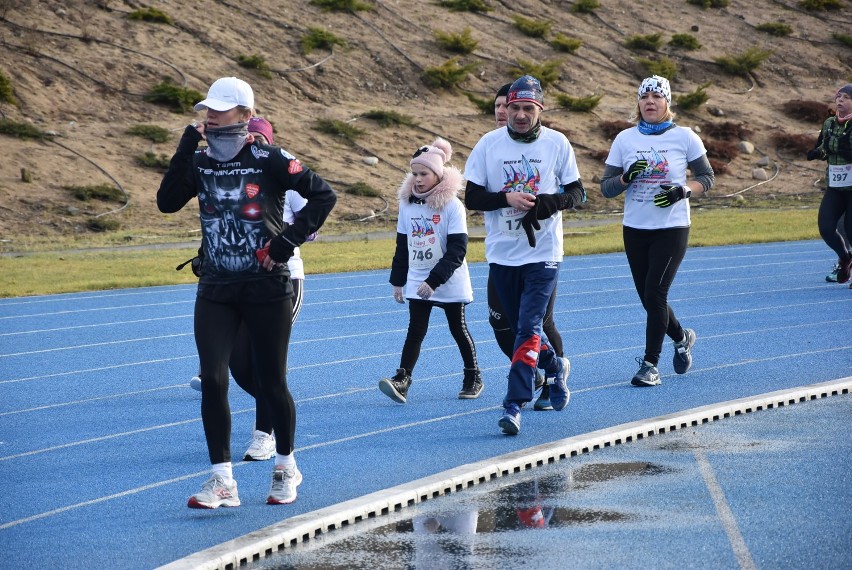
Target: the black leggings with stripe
pixel 654 257
pixel 418 323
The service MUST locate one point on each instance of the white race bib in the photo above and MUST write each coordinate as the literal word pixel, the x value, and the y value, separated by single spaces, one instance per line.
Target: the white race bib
pixel 423 252
pixel 510 222
pixel 840 175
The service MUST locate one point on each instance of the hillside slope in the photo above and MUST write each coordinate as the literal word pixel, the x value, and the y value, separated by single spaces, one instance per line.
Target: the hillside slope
pixel 80 70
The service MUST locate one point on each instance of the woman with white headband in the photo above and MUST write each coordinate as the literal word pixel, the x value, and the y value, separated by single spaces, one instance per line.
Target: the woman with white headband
pixel 649 163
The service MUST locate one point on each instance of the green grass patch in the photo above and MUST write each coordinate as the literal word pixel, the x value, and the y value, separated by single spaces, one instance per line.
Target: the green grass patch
pixel 685 41
pixel 820 5
pixel 563 43
pixel 342 5
pixel 694 99
pixel 485 106
pixel 585 6
pixel 449 74
pixel 154 160
pixel 709 3
pixel 547 72
pixel 532 28
pixel 362 189
pixel 845 39
pixel 103 224
pixel 152 133
pixel 103 192
pixel 150 15
pixel 18 130
pixel 663 67
pixel 320 38
pixel 578 104
pixel 389 118
pixel 463 43
pixel 341 129
pixel 177 98
pixel 51 273
pixel 778 29
pixel 744 62
pixel 475 6
pixel 7 92
pixel 257 63
pixel 649 42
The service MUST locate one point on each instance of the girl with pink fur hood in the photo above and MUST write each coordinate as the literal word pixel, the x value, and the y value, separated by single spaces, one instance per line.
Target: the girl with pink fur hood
pixel 429 268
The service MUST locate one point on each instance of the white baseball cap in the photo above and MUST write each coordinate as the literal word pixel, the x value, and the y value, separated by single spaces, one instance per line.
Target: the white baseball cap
pixel 227 93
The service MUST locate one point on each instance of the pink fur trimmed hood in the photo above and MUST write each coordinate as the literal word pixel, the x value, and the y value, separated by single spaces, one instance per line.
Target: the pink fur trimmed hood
pixel 447 189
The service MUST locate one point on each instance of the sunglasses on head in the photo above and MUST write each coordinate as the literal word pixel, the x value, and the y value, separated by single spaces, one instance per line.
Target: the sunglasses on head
pixel 420 151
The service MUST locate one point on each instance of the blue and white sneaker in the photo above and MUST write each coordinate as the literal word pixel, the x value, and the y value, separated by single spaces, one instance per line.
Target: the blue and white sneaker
pixel 648 375
pixel 510 422
pixel 559 392
pixel 682 360
pixel 195 383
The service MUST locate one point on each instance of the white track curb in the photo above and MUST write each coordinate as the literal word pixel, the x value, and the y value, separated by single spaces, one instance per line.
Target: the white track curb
pixel 290 532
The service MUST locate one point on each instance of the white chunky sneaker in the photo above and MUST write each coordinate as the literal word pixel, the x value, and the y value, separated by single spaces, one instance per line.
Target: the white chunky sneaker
pixel 284 483
pixel 215 493
pixel 261 447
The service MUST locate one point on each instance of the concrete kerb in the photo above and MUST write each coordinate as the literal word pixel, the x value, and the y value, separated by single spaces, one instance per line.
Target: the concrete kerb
pixel 299 529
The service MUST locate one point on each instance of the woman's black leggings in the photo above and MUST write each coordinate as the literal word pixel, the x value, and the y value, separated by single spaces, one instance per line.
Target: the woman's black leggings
pixel 418 323
pixel 654 256
pixel 242 367
pixel 268 325
pixel 834 204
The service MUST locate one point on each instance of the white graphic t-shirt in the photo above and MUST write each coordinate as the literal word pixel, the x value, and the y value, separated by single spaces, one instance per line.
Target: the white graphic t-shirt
pixel 427 232
pixel 501 164
pixel 668 155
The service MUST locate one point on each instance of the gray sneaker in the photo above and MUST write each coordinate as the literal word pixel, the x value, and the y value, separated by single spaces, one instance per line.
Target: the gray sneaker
pixel 215 493
pixel 682 359
pixel 648 375
pixel 284 483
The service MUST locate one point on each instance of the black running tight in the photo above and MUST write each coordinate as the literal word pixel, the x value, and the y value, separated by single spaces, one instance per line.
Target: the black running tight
pixel 654 257
pixel 268 326
pixel 834 204
pixel 242 368
pixel 418 324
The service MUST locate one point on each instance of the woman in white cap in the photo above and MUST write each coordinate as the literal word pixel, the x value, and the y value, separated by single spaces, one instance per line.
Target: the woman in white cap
pixel 648 163
pixel 834 146
pixel 429 267
pixel 244 278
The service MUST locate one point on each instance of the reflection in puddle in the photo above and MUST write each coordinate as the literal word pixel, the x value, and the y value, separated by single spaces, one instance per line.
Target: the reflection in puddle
pixel 446 534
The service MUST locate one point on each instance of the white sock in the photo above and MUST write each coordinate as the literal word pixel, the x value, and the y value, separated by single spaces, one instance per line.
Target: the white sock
pixel 225 471
pixel 285 460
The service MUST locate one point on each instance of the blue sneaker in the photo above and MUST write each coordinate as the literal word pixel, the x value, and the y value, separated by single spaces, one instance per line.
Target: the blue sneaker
pixel 559 392
pixel 510 422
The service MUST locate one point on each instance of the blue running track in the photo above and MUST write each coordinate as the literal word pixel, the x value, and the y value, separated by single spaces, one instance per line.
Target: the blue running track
pixel 101 441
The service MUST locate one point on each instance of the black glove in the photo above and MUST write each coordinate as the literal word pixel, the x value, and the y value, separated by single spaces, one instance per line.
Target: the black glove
pixel 816 153
pixel 546 205
pixel 281 250
pixel 530 224
pixel 671 193
pixel 635 170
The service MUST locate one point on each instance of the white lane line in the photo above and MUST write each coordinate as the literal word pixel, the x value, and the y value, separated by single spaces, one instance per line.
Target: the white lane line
pixel 729 523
